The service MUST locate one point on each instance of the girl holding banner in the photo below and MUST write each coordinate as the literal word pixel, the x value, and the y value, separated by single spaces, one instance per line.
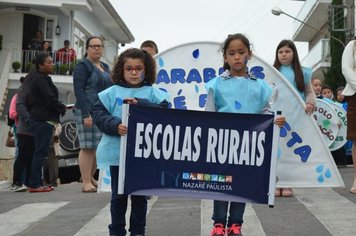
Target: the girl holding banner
pixel 236 91
pixel 287 62
pixel 133 76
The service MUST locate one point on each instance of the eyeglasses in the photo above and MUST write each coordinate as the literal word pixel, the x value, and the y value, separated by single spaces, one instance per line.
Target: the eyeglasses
pixel 137 69
pixel 96 46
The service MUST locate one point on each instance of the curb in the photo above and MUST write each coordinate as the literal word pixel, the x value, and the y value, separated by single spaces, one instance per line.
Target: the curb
pixel 5 185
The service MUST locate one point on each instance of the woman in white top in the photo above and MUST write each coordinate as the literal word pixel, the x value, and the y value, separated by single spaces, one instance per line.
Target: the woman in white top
pixel 349 71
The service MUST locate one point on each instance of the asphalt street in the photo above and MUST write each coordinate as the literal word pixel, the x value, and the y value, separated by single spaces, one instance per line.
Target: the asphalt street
pixel 68 211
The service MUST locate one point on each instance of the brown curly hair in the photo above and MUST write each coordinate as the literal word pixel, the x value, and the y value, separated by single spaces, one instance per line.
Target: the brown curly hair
pixel 117 73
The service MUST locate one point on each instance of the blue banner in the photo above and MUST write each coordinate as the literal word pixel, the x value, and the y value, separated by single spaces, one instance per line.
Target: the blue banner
pixel 195 154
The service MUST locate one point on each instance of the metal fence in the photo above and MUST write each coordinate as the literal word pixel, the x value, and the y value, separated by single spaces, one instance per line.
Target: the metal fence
pixel 64 62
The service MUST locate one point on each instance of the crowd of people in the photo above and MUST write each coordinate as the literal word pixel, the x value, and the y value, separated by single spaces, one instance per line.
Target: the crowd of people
pixel 63 56
pixel 36 111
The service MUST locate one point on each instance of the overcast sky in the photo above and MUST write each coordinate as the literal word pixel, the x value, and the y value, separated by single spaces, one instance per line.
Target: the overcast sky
pixel 170 23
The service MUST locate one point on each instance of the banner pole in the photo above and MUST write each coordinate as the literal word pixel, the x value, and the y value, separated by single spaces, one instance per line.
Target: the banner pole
pixel 273 167
pixel 122 164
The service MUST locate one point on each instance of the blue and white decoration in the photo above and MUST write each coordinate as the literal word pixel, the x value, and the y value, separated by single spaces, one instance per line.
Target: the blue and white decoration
pixel 104 183
pixel 327 120
pixel 303 154
pixel 304 159
pixel 340 139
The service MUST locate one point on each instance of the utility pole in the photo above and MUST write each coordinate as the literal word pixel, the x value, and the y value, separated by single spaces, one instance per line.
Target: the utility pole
pixel 338 29
pixel 350 20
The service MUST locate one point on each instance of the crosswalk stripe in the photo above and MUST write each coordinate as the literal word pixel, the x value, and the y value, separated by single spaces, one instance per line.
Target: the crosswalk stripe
pixel 99 224
pixel 206 211
pixel 20 218
pixel 251 226
pixel 334 211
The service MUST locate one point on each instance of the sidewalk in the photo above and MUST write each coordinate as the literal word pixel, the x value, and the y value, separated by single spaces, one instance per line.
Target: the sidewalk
pixel 5 185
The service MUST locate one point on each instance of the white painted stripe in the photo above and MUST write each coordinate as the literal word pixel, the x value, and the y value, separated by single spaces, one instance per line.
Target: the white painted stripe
pixel 99 224
pixel 334 211
pixel 251 226
pixel 206 212
pixel 20 218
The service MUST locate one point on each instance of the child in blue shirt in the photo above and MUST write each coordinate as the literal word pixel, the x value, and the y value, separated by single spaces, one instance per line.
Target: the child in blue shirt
pixel 339 155
pixel 340 98
pixel 317 85
pixel 327 92
pixel 132 76
pixel 236 91
pixel 287 62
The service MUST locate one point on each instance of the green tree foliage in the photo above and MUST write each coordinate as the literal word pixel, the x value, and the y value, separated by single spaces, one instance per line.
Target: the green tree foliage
pixel 334 76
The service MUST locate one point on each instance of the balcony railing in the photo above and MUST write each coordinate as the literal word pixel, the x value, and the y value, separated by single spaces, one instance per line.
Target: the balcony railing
pixel 64 62
pixel 320 53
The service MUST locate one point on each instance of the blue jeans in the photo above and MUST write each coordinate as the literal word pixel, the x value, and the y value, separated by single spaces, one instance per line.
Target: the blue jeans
pixel 16 141
pixel 118 209
pixel 42 133
pixel 23 174
pixel 22 164
pixel 236 212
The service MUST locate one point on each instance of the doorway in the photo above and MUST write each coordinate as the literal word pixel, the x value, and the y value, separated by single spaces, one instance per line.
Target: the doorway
pixel 31 24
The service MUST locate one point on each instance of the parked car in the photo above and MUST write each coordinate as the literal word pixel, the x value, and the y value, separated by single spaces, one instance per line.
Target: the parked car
pixel 68 168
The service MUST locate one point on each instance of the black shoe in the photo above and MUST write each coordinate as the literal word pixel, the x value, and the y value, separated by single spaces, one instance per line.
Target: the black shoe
pixel 18 188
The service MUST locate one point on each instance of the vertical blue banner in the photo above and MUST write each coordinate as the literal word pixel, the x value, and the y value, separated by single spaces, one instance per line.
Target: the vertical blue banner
pixel 195 154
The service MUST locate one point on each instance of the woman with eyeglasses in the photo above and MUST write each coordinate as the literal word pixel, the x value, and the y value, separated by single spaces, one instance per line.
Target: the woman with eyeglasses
pixel 90 76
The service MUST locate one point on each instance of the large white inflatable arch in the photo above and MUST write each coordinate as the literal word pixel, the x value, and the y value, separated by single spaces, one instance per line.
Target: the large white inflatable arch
pixel 304 157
